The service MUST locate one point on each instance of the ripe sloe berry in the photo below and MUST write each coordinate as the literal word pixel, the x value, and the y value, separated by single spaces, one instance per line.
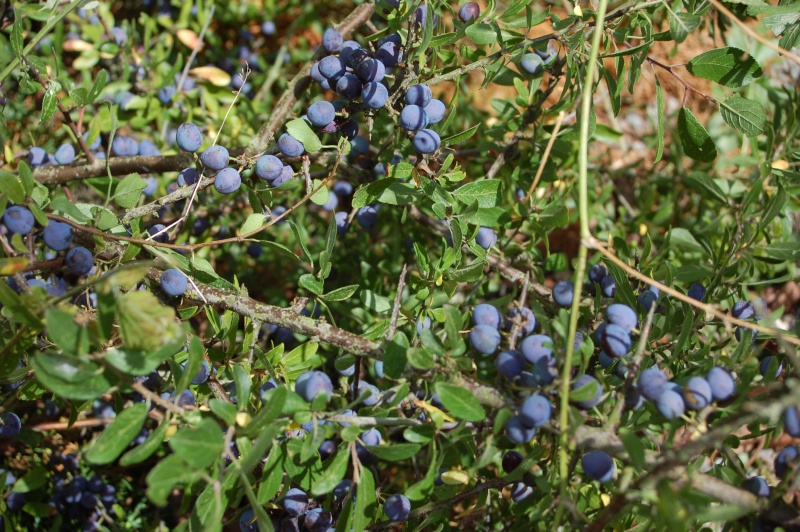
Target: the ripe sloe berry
pixel 332 40
pixel 18 219
pixel 616 341
pixel 79 260
pixel 486 237
pixel 435 110
pixel 37 157
pixel 517 432
pixel 535 411
pixel 531 63
pixel 721 382
pixel 598 465
pixel 586 381
pixel 349 87
pixel 370 70
pixel 215 158
pixel 757 486
pixel 187 177
pixel 189 137
pixel 321 113
pixel 419 94
pixel 331 68
pixel 374 94
pixel 621 315
pixel 520 491
pixel 148 149
pixel 413 118
pixel 651 382
pixel 10 425
pixel 527 320
pixel 484 339
pixel 786 459
pixel 697 393
pixel 670 404
pixel 295 502
pixel 57 235
pixel 397 507
pixel 426 141
pixel 510 364
pixel 290 146
pixel 563 293
pixel 367 216
pixel 65 154
pixel 227 181
pixel 597 273
pixel 312 383
pixel 511 461
pixel 389 54
pixel 123 146
pixel 173 282
pixel 791 421
pixel 536 347
pixel 469 12
pixel 486 314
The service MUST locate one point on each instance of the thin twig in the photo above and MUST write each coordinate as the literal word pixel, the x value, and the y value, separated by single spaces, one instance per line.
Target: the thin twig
pixel 196 49
pixel 397 299
pixel 545 155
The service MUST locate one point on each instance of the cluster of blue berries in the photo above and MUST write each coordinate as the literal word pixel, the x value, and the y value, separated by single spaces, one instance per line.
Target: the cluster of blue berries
pixel 80 500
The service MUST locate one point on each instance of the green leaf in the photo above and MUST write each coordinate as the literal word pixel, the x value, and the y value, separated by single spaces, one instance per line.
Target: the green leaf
pixel 706 184
pixel 395 452
pixel 660 130
pixel 334 473
pixel 340 294
pixel 370 193
pixel 113 440
pixel 585 392
pixel 682 24
pixel 11 187
pixel 320 197
pixel 129 190
pixel 486 192
pixel 166 475
pixel 145 450
pixel 459 401
pixel 460 137
pixel 696 141
pixel 61 205
pixel 17 42
pixel 482 34
pixel 49 101
pixel 747 116
pixel 365 502
pixel 300 130
pixel 253 222
pixel 98 86
pixel 633 445
pixel 69 336
pixel 311 283
pixel 420 358
pixel 727 66
pixel 375 301
pixel 33 480
pixel 70 378
pixel 199 447
pixel 394 356
pixel 301 241
pixel 146 324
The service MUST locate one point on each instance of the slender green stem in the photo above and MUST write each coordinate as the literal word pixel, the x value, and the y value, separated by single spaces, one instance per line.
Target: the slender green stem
pixel 583 207
pixel 38 37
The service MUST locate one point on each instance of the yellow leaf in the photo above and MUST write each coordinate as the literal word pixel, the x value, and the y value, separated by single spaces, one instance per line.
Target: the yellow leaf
pixel 77 45
pixel 780 164
pixel 455 477
pixel 215 76
pixel 188 38
pixel 13 265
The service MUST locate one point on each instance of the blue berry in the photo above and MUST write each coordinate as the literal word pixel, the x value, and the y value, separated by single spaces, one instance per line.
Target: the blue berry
pixel 423 323
pixel 597 273
pixel 605 360
pixel 371 437
pixel 189 137
pixel 743 310
pixel 419 94
pixel 158 233
pixel 341 222
pixel 517 432
pixel 670 404
pixel 247 521
pixel 349 130
pixel 318 519
pixel 332 40
pixel 374 94
pixel 469 12
pixel 358 56
pixel 647 299
pixel 397 507
pixel 331 68
pixel 348 47
pixel 65 154
pixel 697 291
pixel 621 315
pixel 148 149
pixel 18 219
pixel 57 235
pixel 372 393
pixel 770 367
pixel 10 425
pixel 757 486
pixel 268 27
pixel 420 17
pixel 511 461
pixel 486 314
pixel 390 54
pixel 290 146
pixel 295 502
pixel 486 237
pixel 332 203
pixel 616 341
pixel 315 74
pixel 791 421
pixel 119 35
pixel 187 177
pixel 721 382
pixel 510 364
pixel 205 370
pixel 123 146
pixel 413 118
pixel 484 339
pixel 173 282
pixel 166 94
pixel 321 113
pixel 527 321
pixel 349 87
pixel 79 260
pixel 697 393
pixel 227 181
pixel 342 489
pixel 367 216
pixel 520 491
pixel 608 286
pixel 312 383
pixel 537 347
pixel 563 293
pixel 37 157
pixel 651 382
pixel 370 70
pixel 215 158
pixel 585 381
pixel 426 141
pixel 598 465
pixel 435 110
pixel 531 63
pixel 786 459
pixel 535 411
